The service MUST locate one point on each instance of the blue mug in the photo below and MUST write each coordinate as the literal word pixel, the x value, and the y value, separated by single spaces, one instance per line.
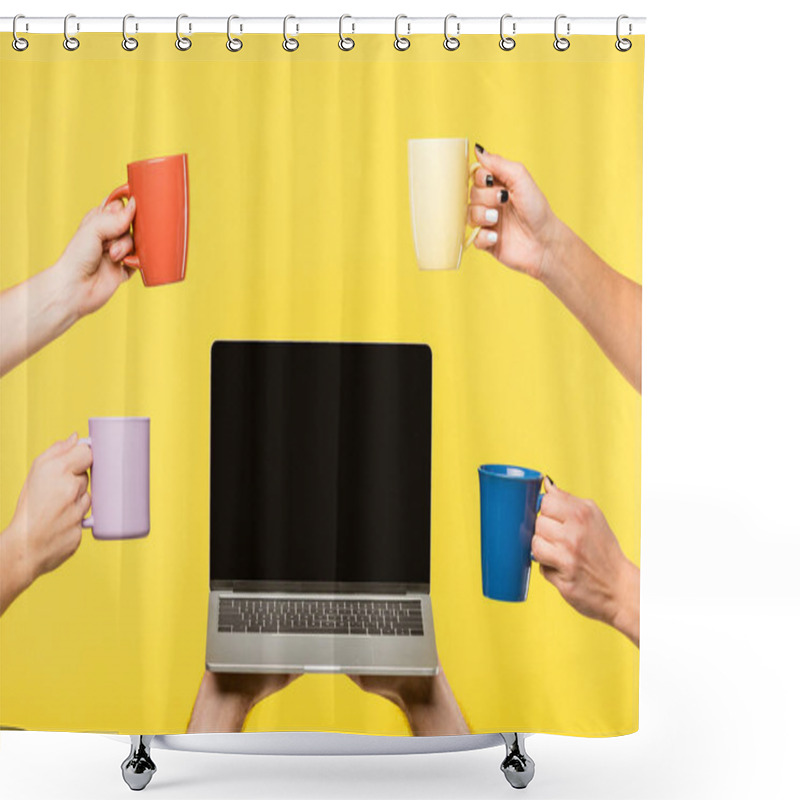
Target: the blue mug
pixel 510 499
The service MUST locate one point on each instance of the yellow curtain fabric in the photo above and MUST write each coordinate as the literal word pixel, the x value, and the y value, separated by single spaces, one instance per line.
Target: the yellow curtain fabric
pixel 300 229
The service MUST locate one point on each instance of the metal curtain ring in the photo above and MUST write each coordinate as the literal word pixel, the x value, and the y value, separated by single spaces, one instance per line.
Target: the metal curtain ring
pixel 622 44
pixel 233 44
pixel 18 43
pixel 70 42
pixel 507 42
pixel 289 44
pixel 561 43
pixel 182 42
pixel 128 42
pixel 400 42
pixel 451 42
pixel 345 42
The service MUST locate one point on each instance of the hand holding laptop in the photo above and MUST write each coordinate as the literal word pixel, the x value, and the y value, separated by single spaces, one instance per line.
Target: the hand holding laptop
pixel 225 699
pixel 427 701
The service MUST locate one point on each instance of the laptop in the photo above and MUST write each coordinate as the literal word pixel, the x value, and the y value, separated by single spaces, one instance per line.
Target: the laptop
pixel 320 508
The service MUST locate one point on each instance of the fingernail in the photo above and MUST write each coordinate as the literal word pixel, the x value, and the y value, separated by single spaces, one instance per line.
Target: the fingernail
pixel 491 237
pixel 73 438
pixel 479 147
pixel 490 180
pixel 492 215
pixel 502 195
pixel 550 480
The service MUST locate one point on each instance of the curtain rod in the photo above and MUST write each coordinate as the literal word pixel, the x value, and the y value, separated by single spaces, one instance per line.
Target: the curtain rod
pixel 457 26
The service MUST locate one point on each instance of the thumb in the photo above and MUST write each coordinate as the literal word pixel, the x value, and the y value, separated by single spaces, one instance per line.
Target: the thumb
pixel 504 171
pixel 62 445
pixel 113 221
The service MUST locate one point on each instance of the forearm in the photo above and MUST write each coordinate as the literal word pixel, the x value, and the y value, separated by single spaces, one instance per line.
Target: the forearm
pixel 33 313
pixel 626 619
pixel 434 711
pixel 216 710
pixel 605 302
pixel 15 574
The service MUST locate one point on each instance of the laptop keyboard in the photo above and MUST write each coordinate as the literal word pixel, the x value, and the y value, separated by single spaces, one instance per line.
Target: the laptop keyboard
pixel 330 616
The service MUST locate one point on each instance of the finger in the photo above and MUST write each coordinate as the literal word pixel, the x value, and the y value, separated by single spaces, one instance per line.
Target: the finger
pixel 481 215
pixel 488 197
pixel 114 220
pixel 550 529
pixel 84 503
pixel 121 247
pixel 484 178
pixel 62 446
pixel 81 485
pixel 92 212
pixel 73 542
pixel 506 172
pixel 79 458
pixel 556 578
pixel 547 553
pixel 115 206
pixel 557 504
pixel 486 240
pixel 549 573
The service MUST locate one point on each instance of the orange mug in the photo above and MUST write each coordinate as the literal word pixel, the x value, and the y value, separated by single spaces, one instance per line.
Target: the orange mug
pixel 161 223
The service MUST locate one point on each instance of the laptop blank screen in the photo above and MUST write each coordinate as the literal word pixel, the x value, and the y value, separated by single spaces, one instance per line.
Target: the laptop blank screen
pixel 320 462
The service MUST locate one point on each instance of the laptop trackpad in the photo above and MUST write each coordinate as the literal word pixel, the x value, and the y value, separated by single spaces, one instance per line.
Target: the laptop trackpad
pixel 319 653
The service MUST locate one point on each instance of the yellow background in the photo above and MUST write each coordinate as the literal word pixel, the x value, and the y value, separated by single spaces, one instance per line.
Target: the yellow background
pixel 300 229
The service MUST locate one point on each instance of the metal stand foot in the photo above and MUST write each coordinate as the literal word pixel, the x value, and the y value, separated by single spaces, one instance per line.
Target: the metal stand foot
pixel 138 768
pixel 517 766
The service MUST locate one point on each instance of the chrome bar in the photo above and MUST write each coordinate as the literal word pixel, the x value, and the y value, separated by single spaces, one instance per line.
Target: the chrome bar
pixel 602 26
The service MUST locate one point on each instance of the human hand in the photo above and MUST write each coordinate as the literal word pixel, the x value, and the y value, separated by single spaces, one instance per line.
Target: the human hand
pixel 225 699
pixel 427 701
pixel 51 506
pixel 251 688
pixel 517 224
pixel 579 554
pixel 90 266
pixel 399 689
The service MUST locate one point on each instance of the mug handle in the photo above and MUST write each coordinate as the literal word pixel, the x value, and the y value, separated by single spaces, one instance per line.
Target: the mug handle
pixel 87 522
pixel 473 234
pixel 131 260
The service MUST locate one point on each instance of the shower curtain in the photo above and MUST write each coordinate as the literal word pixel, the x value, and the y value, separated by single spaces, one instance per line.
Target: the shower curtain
pixel 298 226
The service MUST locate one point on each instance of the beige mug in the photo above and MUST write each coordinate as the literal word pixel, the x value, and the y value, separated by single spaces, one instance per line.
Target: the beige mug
pixel 438 183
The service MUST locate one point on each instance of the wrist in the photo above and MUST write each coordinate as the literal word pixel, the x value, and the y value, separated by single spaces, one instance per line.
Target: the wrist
pixel 626 613
pixel 18 571
pixel 243 691
pixel 555 240
pixel 217 710
pixel 416 693
pixel 66 293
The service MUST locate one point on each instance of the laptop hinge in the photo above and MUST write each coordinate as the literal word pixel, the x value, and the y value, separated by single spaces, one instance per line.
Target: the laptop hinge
pixel 320 587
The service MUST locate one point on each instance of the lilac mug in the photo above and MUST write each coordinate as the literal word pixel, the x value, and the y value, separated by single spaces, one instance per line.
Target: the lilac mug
pixel 120 477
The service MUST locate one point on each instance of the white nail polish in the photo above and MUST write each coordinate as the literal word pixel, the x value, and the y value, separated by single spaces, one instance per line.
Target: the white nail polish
pixel 492 215
pixel 492 236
